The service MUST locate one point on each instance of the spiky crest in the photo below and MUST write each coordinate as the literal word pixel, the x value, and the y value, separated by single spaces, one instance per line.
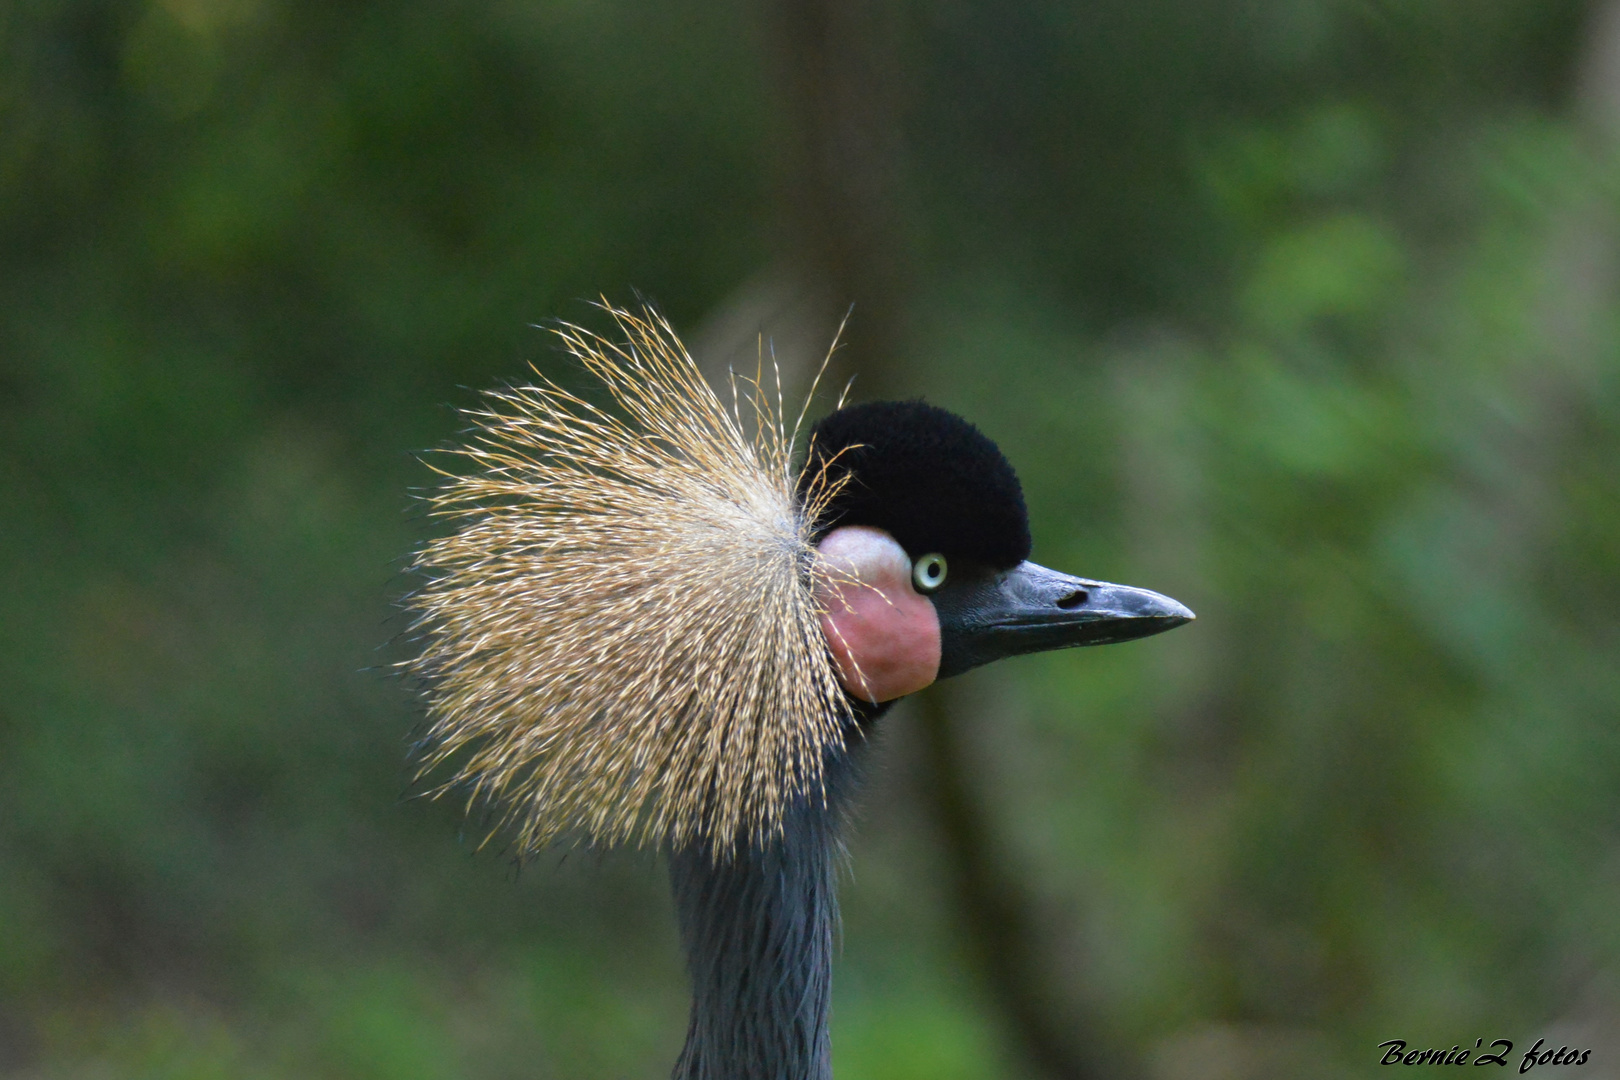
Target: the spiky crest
pixel 622 636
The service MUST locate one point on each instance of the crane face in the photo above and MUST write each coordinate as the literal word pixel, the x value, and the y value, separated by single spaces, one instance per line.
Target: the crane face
pixel 929 525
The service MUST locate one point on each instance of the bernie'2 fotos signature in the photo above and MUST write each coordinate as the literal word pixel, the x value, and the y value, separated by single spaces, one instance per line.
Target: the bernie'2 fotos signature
pixel 1497 1053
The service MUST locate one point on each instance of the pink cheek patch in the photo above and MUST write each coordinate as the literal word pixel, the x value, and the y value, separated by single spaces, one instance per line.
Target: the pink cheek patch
pixel 884 635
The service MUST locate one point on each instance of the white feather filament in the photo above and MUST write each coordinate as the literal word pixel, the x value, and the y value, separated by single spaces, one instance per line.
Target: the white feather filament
pixel 622 639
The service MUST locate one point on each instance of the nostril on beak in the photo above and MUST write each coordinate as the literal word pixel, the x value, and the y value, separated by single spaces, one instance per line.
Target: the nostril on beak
pixel 1073 600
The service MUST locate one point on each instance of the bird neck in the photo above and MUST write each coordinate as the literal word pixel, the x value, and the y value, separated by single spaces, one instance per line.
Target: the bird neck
pixel 758 931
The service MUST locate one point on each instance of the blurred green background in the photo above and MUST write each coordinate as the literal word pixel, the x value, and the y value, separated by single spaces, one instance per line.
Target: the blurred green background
pixel 1301 311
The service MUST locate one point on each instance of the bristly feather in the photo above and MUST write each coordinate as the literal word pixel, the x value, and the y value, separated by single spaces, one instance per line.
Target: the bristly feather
pixel 622 638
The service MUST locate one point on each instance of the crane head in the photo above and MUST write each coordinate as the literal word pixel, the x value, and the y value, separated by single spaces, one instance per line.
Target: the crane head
pixel 927 542
pixel 644 624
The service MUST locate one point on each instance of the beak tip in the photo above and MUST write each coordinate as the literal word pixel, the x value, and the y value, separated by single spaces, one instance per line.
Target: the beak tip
pixel 1173 612
pixel 1160 613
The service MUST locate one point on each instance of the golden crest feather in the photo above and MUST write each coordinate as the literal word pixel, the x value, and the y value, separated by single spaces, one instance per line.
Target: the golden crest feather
pixel 621 637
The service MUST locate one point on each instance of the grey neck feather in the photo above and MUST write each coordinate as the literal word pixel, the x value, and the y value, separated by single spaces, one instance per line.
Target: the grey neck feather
pixel 758 931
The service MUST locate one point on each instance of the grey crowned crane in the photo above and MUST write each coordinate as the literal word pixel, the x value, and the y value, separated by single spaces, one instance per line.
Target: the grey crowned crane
pixel 648 626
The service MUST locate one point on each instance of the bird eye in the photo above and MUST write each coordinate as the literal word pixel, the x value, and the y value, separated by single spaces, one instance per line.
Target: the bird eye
pixel 929 572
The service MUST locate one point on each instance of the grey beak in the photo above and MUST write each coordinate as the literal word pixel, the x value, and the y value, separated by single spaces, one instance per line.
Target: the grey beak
pixel 1032 609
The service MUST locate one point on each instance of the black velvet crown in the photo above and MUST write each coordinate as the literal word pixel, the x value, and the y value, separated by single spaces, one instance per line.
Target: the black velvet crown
pixel 930 479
